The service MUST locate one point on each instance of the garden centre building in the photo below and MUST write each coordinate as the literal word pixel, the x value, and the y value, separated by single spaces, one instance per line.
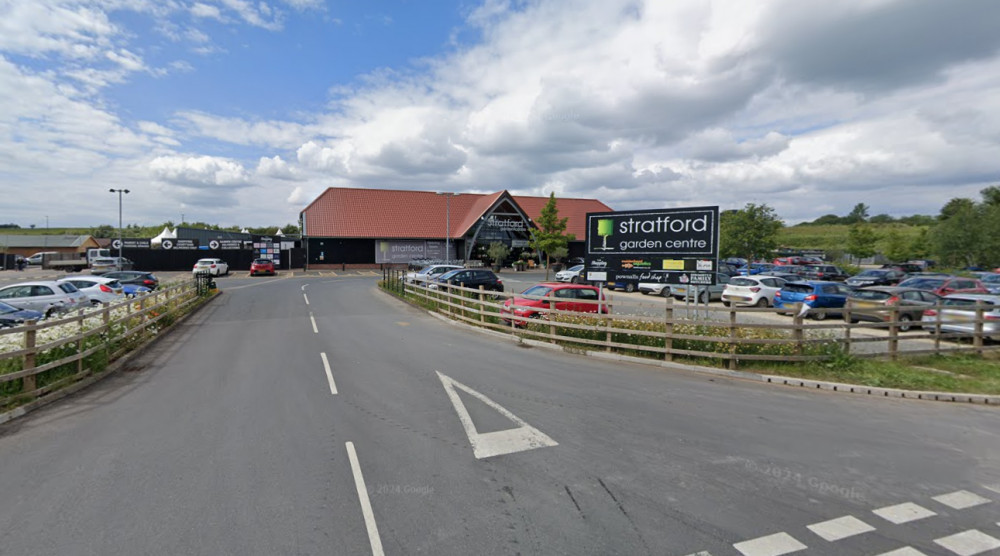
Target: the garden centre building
pixel 364 228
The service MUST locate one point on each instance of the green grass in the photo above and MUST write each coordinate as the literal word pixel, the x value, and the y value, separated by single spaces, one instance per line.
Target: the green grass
pixel 833 237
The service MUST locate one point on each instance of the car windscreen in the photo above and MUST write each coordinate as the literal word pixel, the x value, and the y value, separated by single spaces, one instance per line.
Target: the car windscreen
pixel 537 291
pixel 265 261
pixel 576 268
pixel 964 302
pixel 923 283
pixel 742 282
pixel 871 295
pixel 447 275
pixel 872 273
pixel 5 309
pixel 798 288
pixel 68 288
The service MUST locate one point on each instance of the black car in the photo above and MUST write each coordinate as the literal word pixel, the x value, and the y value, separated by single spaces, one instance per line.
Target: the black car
pixel 876 277
pixel 825 272
pixel 469 278
pixel 135 278
pixel 12 316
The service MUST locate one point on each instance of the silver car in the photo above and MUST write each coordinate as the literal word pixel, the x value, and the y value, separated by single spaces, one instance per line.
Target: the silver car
pixel 958 314
pixel 109 264
pixel 49 298
pixel 98 288
pixel 429 273
pixel 571 274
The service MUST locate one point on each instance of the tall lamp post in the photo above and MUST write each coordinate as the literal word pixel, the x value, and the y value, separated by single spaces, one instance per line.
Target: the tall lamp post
pixel 118 265
pixel 447 225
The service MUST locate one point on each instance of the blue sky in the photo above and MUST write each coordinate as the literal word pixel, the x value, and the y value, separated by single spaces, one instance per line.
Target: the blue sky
pixel 241 113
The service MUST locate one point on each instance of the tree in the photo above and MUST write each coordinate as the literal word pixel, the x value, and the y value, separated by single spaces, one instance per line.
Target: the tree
pixel 881 219
pixel 858 214
pixel 861 240
pixel 991 195
pixel 551 232
pixel 920 246
pixel 896 248
pixel 104 231
pixel 497 252
pixel 749 233
pixel 827 219
pixel 290 230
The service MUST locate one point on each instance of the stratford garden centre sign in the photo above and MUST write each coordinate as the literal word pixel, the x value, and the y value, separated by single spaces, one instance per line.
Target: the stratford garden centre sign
pixel 668 246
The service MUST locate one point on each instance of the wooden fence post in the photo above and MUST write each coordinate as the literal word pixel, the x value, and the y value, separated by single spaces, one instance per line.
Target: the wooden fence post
pixel 668 330
pixel 732 338
pixel 977 338
pixel 28 382
pixel 937 327
pixel 79 343
pixel 482 306
pixel 848 326
pixel 461 300
pixel 893 333
pixel 797 333
pixel 552 324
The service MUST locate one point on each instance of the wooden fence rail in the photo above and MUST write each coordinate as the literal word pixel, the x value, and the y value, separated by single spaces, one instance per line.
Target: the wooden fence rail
pixel 61 351
pixel 729 334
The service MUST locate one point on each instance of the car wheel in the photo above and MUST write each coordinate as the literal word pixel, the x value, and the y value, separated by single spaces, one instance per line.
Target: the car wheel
pixel 630 287
pixel 665 292
pixel 95 303
pixel 703 298
pixel 50 312
pixel 725 303
pixel 905 323
pixel 575 280
pixel 819 316
pixel 762 302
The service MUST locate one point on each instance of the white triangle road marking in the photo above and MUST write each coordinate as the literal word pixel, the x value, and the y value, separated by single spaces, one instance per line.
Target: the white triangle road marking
pixel 484 445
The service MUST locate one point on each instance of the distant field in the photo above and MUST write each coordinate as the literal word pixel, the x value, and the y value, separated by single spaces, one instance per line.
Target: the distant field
pixel 834 237
pixel 43 231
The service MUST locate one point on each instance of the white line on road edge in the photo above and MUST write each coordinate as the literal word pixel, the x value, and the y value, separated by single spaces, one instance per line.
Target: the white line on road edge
pixel 303 288
pixel 366 505
pixel 313 320
pixel 484 445
pixel 329 373
pixel 306 297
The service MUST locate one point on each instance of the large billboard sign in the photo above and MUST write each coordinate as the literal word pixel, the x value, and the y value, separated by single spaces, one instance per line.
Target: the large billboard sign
pixel 406 251
pixel 672 246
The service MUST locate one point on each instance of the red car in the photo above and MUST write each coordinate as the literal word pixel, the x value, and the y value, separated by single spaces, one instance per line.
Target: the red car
pixel 563 297
pixel 944 285
pixel 262 266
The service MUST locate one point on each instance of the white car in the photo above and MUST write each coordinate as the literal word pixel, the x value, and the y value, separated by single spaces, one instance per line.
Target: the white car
pixel 98 288
pixel 958 314
pixel 214 267
pixel 429 273
pixel 757 290
pixel 654 288
pixel 571 274
pixel 48 298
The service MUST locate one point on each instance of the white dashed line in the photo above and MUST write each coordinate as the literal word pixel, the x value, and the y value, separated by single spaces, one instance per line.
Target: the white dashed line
pixel 313 321
pixel 905 551
pixel 968 543
pixel 771 545
pixel 903 513
pixel 329 373
pixel 962 499
pixel 306 297
pixel 366 505
pixel 840 528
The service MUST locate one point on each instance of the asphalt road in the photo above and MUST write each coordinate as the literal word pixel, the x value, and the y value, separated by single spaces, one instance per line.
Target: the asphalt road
pixel 317 415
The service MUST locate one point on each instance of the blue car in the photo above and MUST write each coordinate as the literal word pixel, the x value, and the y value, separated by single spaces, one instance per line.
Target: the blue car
pixel 756 268
pixel 133 290
pixel 11 316
pixel 804 297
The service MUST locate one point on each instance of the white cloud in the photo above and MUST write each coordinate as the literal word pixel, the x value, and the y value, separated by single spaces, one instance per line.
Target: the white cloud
pixel 274 134
pixel 277 168
pixel 199 9
pixel 198 171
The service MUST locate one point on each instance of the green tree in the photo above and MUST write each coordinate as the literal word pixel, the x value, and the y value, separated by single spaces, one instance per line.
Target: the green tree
pixel 827 219
pixel 881 219
pixel 861 240
pixel 290 230
pixel 858 214
pixel 920 246
pixel 896 247
pixel 497 253
pixel 991 195
pixel 104 231
pixel 750 232
pixel 551 232
pixel 957 236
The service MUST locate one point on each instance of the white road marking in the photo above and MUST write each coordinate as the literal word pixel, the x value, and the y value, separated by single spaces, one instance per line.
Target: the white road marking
pixel 840 528
pixel 306 297
pixel 771 545
pixel 905 551
pixel 366 505
pixel 903 513
pixel 702 553
pixel 303 288
pixel 524 437
pixel 962 499
pixel 968 543
pixel 329 374
pixel 994 488
pixel 313 321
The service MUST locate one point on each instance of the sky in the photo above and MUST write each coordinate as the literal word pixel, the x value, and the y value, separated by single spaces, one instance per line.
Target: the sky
pixel 239 112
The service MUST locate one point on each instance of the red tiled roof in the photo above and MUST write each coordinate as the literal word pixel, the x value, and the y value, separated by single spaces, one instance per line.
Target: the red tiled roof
pixel 397 214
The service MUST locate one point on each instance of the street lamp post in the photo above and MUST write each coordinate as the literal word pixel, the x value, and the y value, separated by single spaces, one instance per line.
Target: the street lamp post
pixel 118 265
pixel 447 225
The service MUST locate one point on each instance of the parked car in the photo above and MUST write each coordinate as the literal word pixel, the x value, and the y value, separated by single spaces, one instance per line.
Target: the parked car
pixel 875 277
pixel 36 259
pixel 757 268
pixel 212 267
pixel 735 261
pixel 875 303
pixel 108 264
pixel 704 293
pixel 469 278
pixel 97 288
pixel 806 296
pixel 655 288
pixel 135 277
pixel 11 316
pixel 756 290
pixel 532 302
pixel 958 314
pixel 262 266
pixel 798 260
pixel 132 290
pixel 904 267
pixel 824 272
pixel 945 285
pixel 429 272
pixel 991 282
pixel 571 274
pixel 49 298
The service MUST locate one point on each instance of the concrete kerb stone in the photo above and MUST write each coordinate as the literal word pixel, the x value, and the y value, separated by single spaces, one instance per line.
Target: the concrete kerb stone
pixel 113 368
pixel 766 379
